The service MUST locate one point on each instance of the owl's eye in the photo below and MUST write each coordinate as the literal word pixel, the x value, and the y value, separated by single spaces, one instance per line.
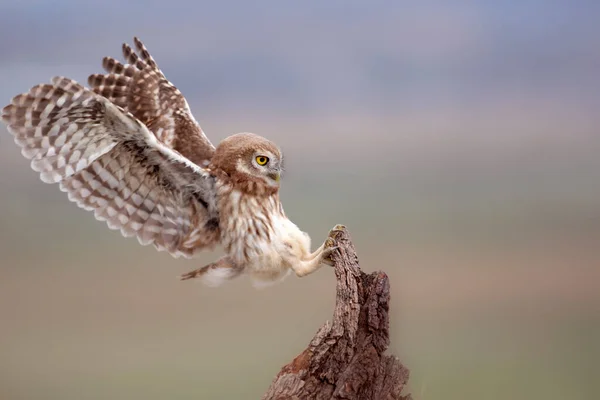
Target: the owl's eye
pixel 262 160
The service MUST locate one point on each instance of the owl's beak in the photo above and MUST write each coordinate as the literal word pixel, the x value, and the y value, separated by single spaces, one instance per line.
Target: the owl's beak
pixel 275 176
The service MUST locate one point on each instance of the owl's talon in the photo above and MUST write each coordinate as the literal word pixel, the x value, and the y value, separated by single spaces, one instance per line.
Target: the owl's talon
pixel 329 242
pixel 330 250
pixel 326 257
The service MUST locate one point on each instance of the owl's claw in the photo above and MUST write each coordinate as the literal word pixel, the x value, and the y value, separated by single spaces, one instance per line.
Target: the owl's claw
pixel 329 245
pixel 329 248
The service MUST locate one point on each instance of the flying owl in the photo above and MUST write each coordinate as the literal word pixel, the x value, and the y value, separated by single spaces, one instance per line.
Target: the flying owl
pixel 130 150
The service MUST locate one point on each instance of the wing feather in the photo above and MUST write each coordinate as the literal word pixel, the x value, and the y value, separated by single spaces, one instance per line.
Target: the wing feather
pixel 108 162
pixel 140 87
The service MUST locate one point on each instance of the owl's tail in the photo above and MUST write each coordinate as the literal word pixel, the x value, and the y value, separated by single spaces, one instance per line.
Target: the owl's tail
pixel 215 274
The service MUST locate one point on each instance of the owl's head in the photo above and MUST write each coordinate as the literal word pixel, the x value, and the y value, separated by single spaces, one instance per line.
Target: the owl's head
pixel 249 159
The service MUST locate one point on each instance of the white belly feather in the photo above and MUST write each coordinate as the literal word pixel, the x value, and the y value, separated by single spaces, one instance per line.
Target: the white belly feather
pixel 262 239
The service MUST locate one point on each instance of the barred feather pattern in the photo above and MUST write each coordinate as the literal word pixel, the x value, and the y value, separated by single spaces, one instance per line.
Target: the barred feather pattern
pixel 109 163
pixel 141 88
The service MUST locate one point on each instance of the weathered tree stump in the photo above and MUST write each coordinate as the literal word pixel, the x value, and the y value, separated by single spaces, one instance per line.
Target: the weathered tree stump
pixel 345 359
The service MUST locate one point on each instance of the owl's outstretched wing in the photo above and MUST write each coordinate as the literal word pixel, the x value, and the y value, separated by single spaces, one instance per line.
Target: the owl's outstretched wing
pixel 110 163
pixel 141 88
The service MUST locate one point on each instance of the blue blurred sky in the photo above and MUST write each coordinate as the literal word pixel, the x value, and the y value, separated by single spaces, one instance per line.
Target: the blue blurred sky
pixel 378 56
pixel 472 94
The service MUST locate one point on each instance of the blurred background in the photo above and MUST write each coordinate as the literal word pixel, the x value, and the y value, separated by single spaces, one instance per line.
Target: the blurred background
pixel 459 144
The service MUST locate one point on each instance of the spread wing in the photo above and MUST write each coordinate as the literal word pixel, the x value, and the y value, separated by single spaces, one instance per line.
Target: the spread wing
pixel 108 162
pixel 141 88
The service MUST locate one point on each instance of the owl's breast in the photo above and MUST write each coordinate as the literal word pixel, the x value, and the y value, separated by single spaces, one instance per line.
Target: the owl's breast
pixel 256 233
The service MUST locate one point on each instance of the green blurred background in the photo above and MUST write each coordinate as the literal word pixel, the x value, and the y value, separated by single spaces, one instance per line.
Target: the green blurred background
pixel 459 144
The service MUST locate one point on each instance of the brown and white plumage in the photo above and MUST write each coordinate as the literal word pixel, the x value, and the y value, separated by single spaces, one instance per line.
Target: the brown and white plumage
pixel 141 88
pixel 130 150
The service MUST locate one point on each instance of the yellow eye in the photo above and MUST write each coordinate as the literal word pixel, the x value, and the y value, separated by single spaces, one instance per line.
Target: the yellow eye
pixel 262 160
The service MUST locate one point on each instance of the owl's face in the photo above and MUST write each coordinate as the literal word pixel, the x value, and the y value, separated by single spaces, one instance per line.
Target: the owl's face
pixel 247 157
pixel 262 164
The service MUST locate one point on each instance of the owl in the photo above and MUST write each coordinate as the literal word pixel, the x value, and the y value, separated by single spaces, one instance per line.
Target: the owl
pixel 129 149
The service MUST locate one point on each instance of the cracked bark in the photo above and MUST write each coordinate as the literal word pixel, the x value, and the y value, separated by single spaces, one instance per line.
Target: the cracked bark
pixel 345 359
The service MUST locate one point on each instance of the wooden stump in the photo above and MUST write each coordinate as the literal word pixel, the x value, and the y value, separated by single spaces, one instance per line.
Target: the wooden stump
pixel 345 359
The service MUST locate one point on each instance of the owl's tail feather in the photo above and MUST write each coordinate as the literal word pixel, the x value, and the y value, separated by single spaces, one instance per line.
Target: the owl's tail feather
pixel 215 274
pixel 60 127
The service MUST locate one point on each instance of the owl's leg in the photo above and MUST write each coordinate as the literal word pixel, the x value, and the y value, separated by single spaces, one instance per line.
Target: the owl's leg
pixel 214 274
pixel 317 259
